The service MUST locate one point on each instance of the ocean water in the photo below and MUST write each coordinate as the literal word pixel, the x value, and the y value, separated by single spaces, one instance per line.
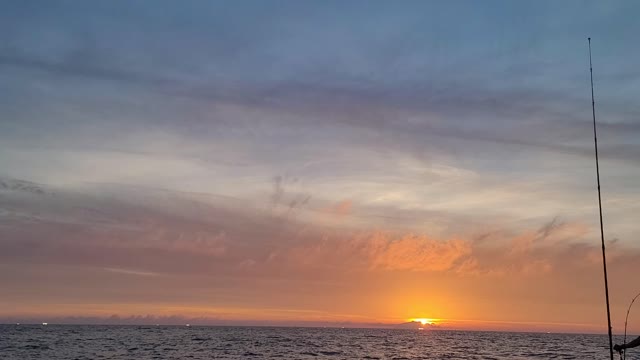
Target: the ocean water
pixel 180 342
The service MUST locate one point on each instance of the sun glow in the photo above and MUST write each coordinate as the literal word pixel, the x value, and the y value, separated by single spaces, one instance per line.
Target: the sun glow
pixel 425 321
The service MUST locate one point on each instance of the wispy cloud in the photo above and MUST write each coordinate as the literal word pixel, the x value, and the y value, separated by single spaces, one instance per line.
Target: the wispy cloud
pixel 131 272
pixel 150 227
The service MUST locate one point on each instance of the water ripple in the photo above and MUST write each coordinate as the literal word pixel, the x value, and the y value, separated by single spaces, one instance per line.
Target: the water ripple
pixel 199 343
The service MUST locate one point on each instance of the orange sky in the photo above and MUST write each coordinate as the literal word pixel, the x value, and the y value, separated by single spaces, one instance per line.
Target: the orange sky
pixel 269 267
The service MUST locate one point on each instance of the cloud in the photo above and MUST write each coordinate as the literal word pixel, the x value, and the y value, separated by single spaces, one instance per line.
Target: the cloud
pixel 20 185
pixel 155 231
pixel 341 208
pixel 131 272
pixel 233 253
pixel 380 251
pixel 552 233
pixel 439 108
pixel 83 67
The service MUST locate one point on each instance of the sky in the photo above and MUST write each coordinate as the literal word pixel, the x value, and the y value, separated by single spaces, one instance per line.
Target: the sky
pixel 358 163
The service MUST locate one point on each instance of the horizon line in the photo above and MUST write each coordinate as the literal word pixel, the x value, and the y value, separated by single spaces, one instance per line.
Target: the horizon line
pixel 308 326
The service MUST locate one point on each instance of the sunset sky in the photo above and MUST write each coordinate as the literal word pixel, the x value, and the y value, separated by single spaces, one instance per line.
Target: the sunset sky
pixel 311 163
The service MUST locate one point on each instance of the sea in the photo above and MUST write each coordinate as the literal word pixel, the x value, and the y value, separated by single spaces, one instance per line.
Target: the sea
pixel 75 342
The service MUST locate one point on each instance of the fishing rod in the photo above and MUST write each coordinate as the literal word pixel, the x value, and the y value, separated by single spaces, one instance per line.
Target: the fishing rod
pixel 626 319
pixel 604 258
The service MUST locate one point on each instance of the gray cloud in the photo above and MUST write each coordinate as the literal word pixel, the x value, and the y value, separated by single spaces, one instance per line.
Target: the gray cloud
pixel 492 104
pixel 406 112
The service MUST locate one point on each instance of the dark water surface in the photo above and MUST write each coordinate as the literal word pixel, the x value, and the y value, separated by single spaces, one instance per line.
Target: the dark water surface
pixel 173 342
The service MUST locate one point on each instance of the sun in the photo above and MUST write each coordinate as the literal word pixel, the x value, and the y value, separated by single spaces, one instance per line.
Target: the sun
pixel 425 321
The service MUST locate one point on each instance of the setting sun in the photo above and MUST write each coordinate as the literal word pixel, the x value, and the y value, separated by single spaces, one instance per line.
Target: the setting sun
pixel 425 321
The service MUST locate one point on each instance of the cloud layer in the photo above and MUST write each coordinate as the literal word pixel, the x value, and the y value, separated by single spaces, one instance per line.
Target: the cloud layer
pixel 238 257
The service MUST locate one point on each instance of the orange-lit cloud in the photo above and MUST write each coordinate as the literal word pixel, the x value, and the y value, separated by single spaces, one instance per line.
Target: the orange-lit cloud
pixel 218 257
pixel 341 208
pixel 382 251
